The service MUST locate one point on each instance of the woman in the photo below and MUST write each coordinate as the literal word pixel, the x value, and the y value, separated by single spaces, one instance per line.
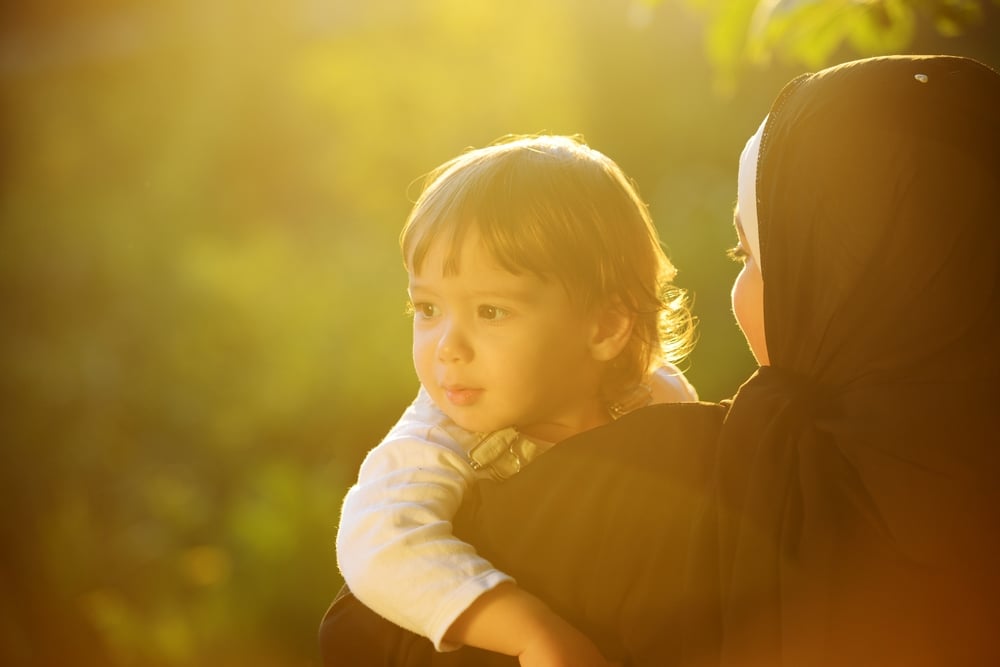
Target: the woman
pixel 857 503
pixel 846 511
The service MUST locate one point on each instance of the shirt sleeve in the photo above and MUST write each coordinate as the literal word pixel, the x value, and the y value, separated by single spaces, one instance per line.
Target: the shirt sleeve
pixel 669 385
pixel 395 545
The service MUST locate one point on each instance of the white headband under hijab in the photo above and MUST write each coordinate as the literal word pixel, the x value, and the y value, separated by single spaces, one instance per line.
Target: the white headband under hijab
pixel 746 191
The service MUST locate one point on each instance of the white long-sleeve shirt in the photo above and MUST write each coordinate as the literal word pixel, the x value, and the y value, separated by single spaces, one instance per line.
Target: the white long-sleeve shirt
pixel 395 546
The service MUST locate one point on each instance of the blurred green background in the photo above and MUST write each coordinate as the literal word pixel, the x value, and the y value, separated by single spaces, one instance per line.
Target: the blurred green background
pixel 203 326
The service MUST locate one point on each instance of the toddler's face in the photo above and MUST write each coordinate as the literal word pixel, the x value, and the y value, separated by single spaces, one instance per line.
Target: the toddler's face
pixel 496 349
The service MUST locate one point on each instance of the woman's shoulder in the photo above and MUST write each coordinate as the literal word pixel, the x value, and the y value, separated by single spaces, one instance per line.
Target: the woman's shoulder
pixel 673 431
pixel 665 437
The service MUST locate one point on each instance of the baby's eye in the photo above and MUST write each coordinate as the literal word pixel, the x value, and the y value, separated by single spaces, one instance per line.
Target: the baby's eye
pixel 737 254
pixel 422 309
pixel 492 313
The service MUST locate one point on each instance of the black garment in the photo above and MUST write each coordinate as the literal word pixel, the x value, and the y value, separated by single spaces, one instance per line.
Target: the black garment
pixel 857 514
pixel 600 527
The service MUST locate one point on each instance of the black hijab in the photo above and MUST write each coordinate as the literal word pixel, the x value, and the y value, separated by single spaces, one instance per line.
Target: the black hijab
pixel 857 511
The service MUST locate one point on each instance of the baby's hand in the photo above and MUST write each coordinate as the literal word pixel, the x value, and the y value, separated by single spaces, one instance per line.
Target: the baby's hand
pixel 668 385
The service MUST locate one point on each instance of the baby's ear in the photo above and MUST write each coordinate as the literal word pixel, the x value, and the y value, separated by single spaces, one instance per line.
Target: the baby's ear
pixel 612 329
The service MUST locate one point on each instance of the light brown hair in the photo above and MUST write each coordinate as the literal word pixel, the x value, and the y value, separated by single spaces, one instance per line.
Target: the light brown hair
pixel 553 206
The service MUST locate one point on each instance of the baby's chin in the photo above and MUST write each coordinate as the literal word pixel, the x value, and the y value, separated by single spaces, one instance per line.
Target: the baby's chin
pixel 468 421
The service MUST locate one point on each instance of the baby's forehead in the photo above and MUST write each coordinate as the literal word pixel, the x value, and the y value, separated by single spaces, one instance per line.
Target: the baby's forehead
pixel 448 253
pixel 450 244
pixel 470 258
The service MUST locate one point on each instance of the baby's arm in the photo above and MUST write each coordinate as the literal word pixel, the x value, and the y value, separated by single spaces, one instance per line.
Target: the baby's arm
pixel 509 620
pixel 398 555
pixel 395 546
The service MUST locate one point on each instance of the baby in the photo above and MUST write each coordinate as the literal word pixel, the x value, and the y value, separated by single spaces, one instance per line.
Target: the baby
pixel 543 307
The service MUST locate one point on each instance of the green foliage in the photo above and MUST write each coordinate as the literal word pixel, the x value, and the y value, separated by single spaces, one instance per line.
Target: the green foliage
pixel 203 328
pixel 813 33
